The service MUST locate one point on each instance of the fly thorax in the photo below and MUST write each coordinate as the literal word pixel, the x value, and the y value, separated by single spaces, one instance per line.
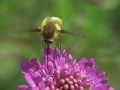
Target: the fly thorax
pixel 49 31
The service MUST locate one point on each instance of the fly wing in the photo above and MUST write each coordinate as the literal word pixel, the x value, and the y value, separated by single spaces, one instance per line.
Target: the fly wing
pixel 27 30
pixel 33 30
pixel 36 30
pixel 20 31
pixel 77 34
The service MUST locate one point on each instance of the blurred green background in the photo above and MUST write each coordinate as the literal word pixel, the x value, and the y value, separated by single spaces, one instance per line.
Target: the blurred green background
pixel 99 21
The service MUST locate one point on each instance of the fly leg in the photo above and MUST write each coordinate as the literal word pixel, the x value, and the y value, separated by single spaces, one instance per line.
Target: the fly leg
pixel 58 43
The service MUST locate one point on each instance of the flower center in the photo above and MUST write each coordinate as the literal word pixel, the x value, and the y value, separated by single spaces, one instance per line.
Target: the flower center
pixel 69 83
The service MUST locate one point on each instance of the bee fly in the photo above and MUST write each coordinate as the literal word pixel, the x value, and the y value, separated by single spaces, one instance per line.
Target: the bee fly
pixel 50 29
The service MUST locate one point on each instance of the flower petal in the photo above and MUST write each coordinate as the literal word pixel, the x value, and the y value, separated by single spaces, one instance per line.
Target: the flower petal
pixel 29 79
pixel 25 66
pixel 35 64
pixel 50 67
pixel 23 87
pixel 103 88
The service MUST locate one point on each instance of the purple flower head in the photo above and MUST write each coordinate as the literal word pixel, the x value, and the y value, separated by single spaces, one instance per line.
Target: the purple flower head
pixel 61 72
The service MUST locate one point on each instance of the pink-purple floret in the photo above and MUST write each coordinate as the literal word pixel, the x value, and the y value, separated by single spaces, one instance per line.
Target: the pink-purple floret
pixel 61 72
